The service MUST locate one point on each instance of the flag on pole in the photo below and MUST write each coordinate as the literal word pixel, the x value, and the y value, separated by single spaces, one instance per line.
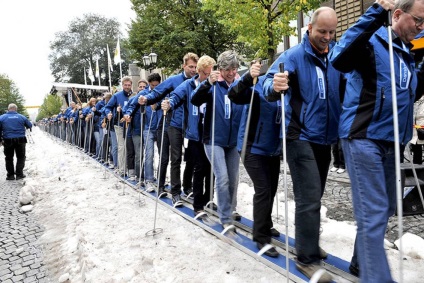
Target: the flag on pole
pixel 109 61
pixel 90 74
pixel 97 69
pixel 117 57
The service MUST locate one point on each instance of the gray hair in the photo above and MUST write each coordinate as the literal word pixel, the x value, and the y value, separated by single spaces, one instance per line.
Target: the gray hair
pixel 405 5
pixel 12 107
pixel 228 60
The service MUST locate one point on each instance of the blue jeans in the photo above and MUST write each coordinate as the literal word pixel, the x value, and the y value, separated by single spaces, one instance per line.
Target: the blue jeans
pixel 136 140
pixel 149 154
pixel 371 168
pixel 114 148
pixel 308 163
pixel 98 136
pixel 226 169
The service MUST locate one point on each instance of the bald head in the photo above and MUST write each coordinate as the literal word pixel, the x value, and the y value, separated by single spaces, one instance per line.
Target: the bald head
pixel 324 12
pixel 322 28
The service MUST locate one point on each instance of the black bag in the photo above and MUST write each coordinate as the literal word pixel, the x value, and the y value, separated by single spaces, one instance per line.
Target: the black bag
pixel 420 133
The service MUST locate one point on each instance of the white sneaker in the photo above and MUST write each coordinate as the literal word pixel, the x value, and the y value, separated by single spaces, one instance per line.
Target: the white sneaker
pixel 150 187
pixel 132 178
pixel 334 169
pixel 340 171
pixel 111 166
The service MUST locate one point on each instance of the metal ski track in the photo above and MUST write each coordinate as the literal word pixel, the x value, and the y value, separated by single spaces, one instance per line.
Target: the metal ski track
pixel 332 264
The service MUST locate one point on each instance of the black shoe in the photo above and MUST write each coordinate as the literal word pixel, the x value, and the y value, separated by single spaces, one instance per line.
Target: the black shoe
pixel 19 177
pixel 272 252
pixel 176 201
pixel 236 216
pixel 187 191
pixel 161 193
pixel 274 232
pixel 9 178
pixel 354 270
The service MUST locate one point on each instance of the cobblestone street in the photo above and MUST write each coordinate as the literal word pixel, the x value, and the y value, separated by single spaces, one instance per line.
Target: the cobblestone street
pixel 337 199
pixel 21 258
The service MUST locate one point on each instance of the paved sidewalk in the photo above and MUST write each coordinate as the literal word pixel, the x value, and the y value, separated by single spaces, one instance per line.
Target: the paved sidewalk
pixel 21 257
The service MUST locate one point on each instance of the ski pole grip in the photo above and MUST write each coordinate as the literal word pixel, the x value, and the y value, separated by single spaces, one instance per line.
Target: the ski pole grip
pixel 281 69
pixel 255 79
pixel 389 18
pixel 164 111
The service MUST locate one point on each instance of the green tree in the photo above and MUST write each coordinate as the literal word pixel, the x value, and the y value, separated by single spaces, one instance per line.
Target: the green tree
pixel 51 106
pixel 173 28
pixel 84 42
pixel 259 23
pixel 9 93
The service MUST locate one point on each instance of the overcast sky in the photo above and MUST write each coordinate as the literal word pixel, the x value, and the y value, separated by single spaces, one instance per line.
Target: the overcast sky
pixel 26 29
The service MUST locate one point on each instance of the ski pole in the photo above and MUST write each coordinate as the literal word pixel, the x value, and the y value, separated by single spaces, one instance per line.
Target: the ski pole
pixel 286 209
pixel 125 157
pixel 211 190
pixel 249 114
pixel 399 195
pixel 155 230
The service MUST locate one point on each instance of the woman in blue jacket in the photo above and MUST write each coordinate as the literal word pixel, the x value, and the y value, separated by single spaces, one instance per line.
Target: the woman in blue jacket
pixel 227 120
pixel 262 153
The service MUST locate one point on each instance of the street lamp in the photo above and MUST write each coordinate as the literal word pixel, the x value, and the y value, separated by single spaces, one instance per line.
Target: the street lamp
pixel 149 61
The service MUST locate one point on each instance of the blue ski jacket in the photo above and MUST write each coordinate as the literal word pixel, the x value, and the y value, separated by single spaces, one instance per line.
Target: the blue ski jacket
pixel 180 97
pixel 265 120
pixel 312 102
pixel 227 113
pixel 163 90
pixel 13 125
pixel 118 99
pixel 367 107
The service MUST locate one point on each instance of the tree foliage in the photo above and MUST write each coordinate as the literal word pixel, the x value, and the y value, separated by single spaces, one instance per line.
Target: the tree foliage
pixel 51 106
pixel 171 28
pixel 83 43
pixel 9 93
pixel 261 24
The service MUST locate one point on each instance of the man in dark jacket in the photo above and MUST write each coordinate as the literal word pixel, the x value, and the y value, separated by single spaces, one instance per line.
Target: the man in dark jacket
pixel 12 136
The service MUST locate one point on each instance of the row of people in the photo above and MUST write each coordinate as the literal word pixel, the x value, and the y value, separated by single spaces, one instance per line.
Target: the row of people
pixel 210 107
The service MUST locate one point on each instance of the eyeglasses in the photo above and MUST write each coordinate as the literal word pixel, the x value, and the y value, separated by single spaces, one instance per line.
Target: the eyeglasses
pixel 418 21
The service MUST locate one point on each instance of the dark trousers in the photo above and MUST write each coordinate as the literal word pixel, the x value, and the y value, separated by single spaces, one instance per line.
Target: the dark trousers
pixel 189 167
pixel 176 139
pixel 130 153
pixel 417 153
pixel 337 151
pixel 12 147
pixel 201 175
pixel 164 156
pixel 264 172
pixel 308 163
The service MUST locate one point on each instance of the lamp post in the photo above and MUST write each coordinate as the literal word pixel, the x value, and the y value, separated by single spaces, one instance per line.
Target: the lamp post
pixel 149 61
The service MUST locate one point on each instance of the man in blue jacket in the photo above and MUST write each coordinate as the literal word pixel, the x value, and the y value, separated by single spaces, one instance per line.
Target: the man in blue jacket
pixel 312 116
pixel 172 134
pixel 113 109
pixel 12 136
pixel 366 123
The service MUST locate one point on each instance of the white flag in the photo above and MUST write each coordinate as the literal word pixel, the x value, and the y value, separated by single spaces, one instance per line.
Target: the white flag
pixel 109 61
pixel 90 73
pixel 117 57
pixel 97 69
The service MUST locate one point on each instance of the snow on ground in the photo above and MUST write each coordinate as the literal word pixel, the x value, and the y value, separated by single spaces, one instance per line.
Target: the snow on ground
pixel 92 234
